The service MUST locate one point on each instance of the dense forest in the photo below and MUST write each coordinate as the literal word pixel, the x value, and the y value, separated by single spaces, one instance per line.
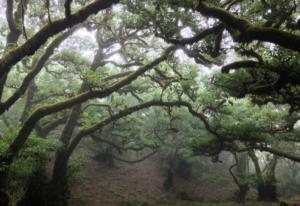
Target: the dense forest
pixel 149 102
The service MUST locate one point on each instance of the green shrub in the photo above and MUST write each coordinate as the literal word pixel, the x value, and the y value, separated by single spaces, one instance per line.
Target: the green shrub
pixel 33 158
pixel 75 169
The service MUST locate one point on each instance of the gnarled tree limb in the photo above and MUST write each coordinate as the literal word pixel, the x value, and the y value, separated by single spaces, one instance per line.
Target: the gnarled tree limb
pixel 248 32
pixel 36 41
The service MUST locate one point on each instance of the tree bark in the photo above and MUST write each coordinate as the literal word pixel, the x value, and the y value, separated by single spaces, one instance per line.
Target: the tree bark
pixel 266 186
pixel 36 68
pixel 247 32
pixel 36 41
pixel 241 171
pixel 32 88
pixel 7 158
pixel 59 181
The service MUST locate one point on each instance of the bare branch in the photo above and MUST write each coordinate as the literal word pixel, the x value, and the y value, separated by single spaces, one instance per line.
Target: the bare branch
pixel 137 160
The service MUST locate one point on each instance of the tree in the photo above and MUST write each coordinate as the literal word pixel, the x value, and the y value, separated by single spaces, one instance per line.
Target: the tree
pixel 150 55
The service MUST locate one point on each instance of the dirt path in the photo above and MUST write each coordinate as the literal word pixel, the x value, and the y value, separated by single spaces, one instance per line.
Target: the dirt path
pixel 104 186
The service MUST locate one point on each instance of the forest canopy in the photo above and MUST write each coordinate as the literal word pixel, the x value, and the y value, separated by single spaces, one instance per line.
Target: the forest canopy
pixel 178 79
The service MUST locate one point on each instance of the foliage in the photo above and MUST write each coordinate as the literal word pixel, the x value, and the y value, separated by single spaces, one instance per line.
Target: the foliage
pixel 33 159
pixel 75 169
pixel 116 60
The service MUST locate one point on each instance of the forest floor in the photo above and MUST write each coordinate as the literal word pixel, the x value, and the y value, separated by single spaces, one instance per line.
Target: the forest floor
pixel 131 185
pixel 223 204
pixel 122 184
pixel 220 204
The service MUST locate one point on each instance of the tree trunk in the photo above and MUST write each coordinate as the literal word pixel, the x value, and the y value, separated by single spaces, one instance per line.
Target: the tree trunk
pixel 241 171
pixel 13 18
pixel 266 185
pixel 4 199
pixel 58 189
pixel 169 181
pixel 35 194
pixel 3 179
pixel 58 193
pixel 267 191
pixel 240 176
pixel 242 193
pixel 29 101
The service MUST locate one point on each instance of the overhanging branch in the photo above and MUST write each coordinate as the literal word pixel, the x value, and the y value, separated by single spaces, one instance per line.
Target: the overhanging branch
pixel 248 32
pixel 36 41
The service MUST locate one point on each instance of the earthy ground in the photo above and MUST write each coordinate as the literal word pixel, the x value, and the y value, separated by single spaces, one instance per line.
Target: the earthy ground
pixel 220 204
pixel 140 182
pixel 141 185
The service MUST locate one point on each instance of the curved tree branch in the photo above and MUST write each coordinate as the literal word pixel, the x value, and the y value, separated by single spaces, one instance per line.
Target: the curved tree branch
pixel 238 65
pixel 37 67
pixel 90 130
pixel 279 153
pixel 197 37
pixel 41 112
pixel 248 32
pixel 137 160
pixel 36 41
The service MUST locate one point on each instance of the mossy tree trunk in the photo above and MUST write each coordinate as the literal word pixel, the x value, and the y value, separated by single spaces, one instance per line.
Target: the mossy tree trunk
pixel 266 185
pixel 59 189
pixel 240 176
pixel 267 191
pixel 241 170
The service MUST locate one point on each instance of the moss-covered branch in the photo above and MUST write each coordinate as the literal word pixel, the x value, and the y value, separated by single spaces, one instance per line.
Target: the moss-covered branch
pixel 244 31
pixel 41 112
pixel 239 64
pixel 36 41
pixel 90 130
pixel 279 153
pixel 37 67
